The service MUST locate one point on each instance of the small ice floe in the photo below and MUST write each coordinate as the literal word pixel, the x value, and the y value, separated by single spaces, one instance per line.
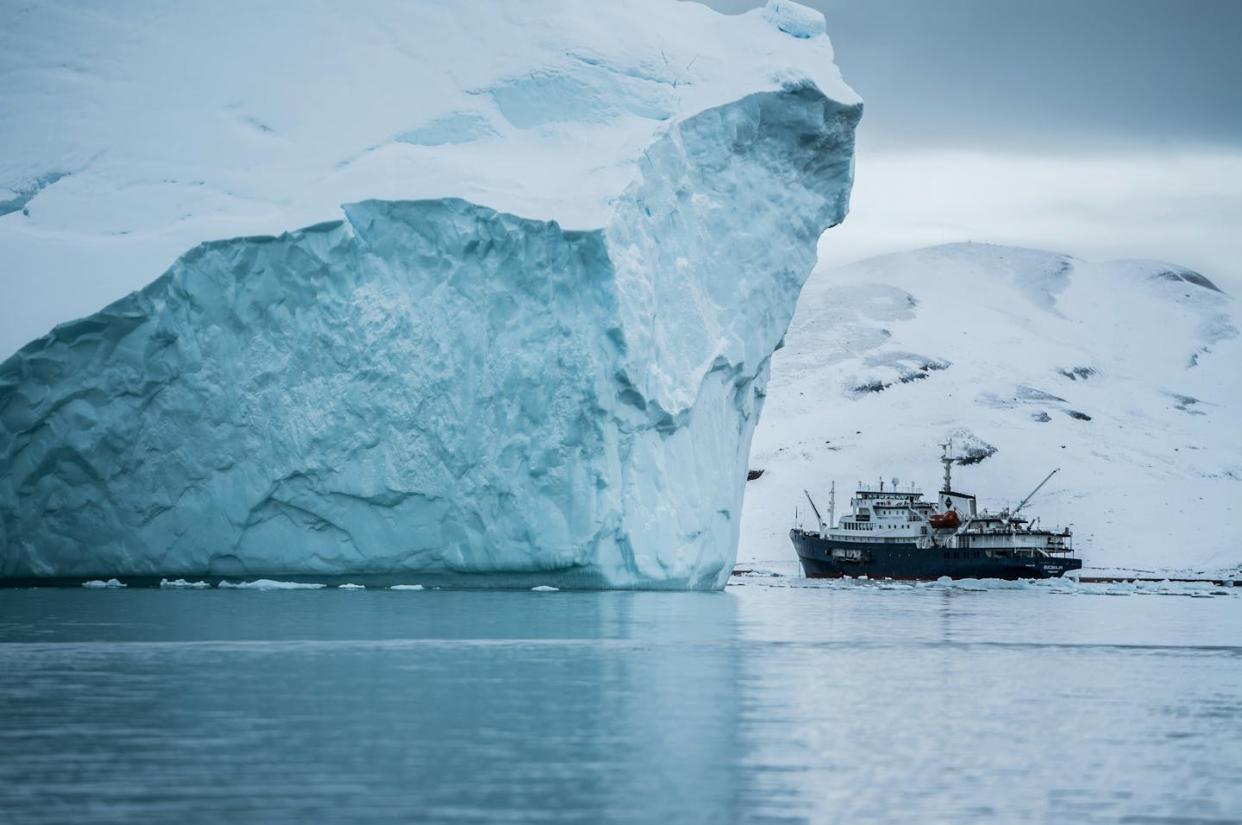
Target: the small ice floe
pixel 977 585
pixel 351 586
pixel 270 584
pixel 545 588
pixel 406 587
pixel 183 584
pixel 1165 587
pixel 95 584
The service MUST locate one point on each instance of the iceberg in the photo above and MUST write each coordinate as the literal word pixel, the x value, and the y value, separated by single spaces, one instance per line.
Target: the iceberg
pixel 543 371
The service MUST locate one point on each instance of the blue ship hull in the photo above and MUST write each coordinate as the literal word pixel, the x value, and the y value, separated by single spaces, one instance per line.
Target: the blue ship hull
pixel 905 560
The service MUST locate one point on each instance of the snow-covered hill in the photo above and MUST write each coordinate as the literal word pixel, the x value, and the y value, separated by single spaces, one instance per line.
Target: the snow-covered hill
pixel 1125 374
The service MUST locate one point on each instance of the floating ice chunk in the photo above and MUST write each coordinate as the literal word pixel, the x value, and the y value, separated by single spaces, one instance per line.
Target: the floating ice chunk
pixel 351 586
pixel 183 584
pixel 543 588
pixel 795 19
pixel 100 583
pixel 406 587
pixel 271 584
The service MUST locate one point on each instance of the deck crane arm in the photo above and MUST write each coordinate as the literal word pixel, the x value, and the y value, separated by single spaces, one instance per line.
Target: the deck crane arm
pixel 1038 487
pixel 818 518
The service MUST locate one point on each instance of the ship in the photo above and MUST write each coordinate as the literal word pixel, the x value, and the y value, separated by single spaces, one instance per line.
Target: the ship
pixel 896 533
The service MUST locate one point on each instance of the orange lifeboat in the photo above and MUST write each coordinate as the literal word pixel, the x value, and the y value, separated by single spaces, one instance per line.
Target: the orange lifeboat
pixel 944 520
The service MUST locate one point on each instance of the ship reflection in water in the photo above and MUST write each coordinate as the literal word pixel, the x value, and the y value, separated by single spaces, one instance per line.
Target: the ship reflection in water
pixel 780 698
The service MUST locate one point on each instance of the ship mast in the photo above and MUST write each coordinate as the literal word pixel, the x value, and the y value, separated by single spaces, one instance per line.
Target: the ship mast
pixel 948 467
pixel 832 505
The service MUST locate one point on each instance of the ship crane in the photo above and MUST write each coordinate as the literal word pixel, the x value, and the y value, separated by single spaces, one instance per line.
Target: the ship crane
pixel 1038 487
pixel 819 520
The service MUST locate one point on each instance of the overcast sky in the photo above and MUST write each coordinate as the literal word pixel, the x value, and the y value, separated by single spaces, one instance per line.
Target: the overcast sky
pixel 1103 128
pixel 1043 74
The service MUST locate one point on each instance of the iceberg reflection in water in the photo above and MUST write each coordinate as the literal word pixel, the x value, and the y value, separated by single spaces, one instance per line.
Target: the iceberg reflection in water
pixel 777 698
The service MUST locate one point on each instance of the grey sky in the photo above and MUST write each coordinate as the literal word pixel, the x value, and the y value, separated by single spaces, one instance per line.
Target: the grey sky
pixel 1045 75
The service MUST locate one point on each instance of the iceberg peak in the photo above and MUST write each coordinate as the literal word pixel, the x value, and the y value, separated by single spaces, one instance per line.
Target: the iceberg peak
pixel 795 19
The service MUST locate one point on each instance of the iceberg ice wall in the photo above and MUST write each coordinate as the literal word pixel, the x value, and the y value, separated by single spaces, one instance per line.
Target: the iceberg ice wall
pixel 449 382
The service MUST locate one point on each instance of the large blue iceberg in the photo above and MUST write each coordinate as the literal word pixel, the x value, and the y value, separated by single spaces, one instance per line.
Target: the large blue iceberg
pixel 435 390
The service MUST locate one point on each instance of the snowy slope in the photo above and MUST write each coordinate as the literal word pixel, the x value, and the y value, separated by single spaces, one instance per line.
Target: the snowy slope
pixel 1123 373
pixel 533 259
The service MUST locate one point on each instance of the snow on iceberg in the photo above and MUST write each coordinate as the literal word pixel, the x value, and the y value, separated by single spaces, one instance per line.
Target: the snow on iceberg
pixel 449 381
pixel 794 18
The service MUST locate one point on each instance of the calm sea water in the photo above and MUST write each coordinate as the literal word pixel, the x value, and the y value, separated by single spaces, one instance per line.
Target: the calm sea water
pixel 776 700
